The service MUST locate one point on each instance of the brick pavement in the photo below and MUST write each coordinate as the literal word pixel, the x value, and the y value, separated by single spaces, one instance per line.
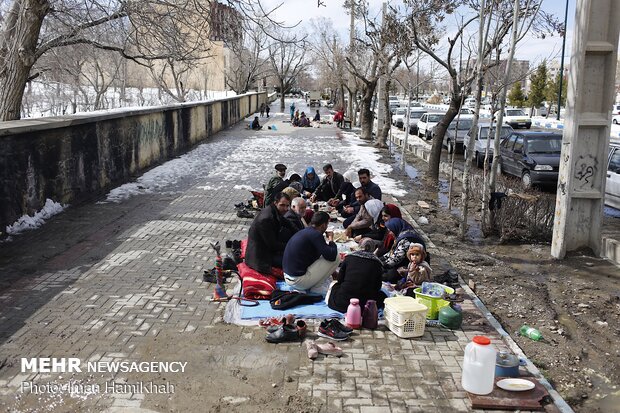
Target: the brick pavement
pixel 123 281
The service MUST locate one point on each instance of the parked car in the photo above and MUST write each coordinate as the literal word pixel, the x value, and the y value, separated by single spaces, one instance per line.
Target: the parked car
pixel 480 144
pixel 532 156
pixel 615 120
pixel 612 186
pixel 516 118
pixel 414 116
pixel 453 139
pixel 467 111
pixel 397 118
pixel 470 103
pixel 426 124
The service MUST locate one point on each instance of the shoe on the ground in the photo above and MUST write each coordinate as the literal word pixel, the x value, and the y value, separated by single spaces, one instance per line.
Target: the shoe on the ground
pixel 345 329
pixel 288 319
pixel 313 350
pixel 229 244
pixel 302 328
pixel 285 333
pixel 244 213
pixel 329 330
pixel 329 349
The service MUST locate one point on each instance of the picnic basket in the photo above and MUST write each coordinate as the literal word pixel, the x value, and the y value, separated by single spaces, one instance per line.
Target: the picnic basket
pixel 405 316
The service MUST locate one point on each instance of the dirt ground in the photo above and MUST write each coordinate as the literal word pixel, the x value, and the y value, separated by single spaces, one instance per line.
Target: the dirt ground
pixel 575 302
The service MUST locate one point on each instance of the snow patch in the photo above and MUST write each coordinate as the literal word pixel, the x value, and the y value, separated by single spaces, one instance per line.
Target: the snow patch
pixel 28 222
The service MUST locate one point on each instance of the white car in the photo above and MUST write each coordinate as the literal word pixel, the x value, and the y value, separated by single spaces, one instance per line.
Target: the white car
pixel 615 120
pixel 612 186
pixel 480 145
pixel 516 118
pixel 399 115
pixel 426 124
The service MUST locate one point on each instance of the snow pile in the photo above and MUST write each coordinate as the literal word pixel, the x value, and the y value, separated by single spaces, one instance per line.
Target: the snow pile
pixel 28 222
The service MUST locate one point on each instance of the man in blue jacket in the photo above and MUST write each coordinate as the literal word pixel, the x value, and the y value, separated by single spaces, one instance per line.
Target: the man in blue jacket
pixel 308 260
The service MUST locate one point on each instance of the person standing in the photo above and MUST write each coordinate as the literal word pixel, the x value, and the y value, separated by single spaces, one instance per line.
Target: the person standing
pixel 267 109
pixel 292 108
pixel 262 109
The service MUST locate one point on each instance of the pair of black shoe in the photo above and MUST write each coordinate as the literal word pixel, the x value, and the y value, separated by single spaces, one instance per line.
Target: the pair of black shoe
pixel 287 332
pixel 234 246
pixel 334 330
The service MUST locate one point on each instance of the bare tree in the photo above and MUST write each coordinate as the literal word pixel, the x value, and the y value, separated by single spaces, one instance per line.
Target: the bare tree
pixel 144 31
pixel 383 45
pixel 426 17
pixel 287 58
pixel 248 63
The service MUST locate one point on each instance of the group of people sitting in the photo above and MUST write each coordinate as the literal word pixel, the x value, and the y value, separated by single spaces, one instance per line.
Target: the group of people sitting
pixel 287 234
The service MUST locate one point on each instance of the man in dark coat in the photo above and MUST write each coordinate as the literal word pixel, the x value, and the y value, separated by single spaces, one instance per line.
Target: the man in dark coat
pixel 295 215
pixel 330 185
pixel 276 183
pixel 268 236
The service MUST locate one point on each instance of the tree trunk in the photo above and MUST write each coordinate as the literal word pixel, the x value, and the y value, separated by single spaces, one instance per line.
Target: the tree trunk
pixel 440 132
pixel 281 96
pixel 385 129
pixel 366 111
pixel 18 43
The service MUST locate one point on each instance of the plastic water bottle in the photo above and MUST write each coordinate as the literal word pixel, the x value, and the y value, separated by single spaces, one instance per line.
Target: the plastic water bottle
pixel 479 366
pixel 530 332
pixel 370 315
pixel 353 318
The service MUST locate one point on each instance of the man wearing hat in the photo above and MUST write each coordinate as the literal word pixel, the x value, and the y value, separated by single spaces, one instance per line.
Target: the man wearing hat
pixel 273 186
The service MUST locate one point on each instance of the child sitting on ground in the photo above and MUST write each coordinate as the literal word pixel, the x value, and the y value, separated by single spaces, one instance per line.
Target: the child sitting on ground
pixel 417 272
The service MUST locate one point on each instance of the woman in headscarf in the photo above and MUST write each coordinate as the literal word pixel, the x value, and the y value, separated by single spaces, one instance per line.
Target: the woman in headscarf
pixel 389 211
pixel 310 180
pixel 377 230
pixel 397 256
pixel 359 277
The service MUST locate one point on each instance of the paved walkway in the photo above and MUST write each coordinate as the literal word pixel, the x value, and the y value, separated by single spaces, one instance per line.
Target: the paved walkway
pixel 122 282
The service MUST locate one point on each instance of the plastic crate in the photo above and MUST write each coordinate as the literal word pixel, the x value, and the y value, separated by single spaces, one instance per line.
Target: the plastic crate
pixel 405 316
pixel 434 304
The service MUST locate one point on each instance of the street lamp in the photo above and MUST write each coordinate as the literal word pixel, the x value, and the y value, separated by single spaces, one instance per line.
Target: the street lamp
pixel 562 62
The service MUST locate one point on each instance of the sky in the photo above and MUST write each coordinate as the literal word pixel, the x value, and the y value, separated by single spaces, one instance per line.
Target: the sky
pixel 533 49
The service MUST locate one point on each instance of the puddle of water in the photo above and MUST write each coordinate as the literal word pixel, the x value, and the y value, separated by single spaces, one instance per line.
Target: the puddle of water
pixel 410 170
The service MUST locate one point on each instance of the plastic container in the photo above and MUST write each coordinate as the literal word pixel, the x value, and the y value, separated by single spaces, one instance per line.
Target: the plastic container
pixel 405 316
pixel 479 366
pixel 450 318
pixel 353 318
pixel 434 304
pixel 530 332
pixel 370 315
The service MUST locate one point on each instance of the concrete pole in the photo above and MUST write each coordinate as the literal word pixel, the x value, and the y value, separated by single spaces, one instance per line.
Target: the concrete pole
pixel 351 108
pixel 581 184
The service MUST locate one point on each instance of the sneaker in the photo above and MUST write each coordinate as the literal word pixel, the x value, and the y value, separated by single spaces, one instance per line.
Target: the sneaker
pixel 345 329
pixel 283 334
pixel 328 329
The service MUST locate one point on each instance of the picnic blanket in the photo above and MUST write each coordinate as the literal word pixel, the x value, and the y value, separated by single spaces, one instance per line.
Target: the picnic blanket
pixel 264 310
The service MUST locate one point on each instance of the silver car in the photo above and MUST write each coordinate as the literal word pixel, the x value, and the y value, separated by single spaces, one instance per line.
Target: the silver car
pixel 480 144
pixel 458 128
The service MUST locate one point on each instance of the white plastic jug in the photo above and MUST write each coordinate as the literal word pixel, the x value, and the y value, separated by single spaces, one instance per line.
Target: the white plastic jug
pixel 479 366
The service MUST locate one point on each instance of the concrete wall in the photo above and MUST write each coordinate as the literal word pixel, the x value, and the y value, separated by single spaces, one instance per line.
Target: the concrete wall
pixel 76 158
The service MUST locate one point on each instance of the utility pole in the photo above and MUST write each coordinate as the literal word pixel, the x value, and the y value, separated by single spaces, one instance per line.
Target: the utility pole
pixel 562 61
pixel 585 142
